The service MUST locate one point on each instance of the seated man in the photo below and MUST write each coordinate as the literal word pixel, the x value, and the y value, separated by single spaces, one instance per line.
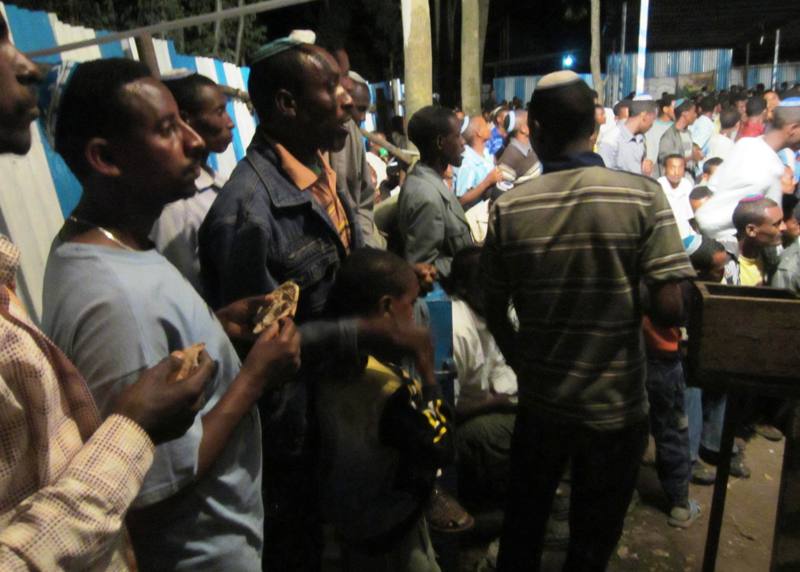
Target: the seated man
pixel 121 133
pixel 383 433
pixel 430 219
pixel 486 388
pixel 67 479
pixel 202 105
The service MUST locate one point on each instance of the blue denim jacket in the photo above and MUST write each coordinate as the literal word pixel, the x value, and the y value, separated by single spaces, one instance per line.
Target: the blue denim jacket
pixel 262 230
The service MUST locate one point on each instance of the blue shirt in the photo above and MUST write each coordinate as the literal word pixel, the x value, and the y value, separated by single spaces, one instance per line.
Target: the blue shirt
pixel 472 171
pixel 624 152
pixel 115 313
pixel 702 130
pixel 495 142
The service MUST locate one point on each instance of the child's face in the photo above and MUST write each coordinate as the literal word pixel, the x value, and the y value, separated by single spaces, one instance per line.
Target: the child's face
pixel 717 270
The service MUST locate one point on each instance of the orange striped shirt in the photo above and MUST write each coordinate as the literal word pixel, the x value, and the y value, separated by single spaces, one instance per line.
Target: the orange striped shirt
pixel 322 187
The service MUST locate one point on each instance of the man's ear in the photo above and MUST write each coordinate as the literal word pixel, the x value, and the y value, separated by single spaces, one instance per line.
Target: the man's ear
pixel 439 142
pixel 286 103
pixel 101 158
pixel 385 305
pixel 751 230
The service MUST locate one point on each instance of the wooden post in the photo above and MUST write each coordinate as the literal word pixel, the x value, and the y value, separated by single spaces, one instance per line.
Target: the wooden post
pixel 147 54
pixel 470 55
pixel 594 57
pixel 417 53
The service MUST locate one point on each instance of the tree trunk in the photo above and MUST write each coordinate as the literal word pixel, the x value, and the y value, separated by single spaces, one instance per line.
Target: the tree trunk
pixel 417 55
pixel 594 58
pixel 484 25
pixel 470 58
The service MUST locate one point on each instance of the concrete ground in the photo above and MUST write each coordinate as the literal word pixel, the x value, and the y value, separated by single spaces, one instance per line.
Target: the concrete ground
pixel 650 544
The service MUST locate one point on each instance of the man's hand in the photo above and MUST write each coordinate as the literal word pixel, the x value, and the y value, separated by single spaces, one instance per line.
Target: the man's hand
pixel 237 318
pixel 492 178
pixel 166 410
pixel 647 167
pixel 380 334
pixel 274 358
pixel 426 274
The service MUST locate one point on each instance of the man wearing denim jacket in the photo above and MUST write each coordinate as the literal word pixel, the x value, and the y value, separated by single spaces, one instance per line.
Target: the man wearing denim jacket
pixel 280 218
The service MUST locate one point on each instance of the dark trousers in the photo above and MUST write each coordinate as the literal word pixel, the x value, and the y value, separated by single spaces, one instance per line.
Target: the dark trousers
pixel 669 424
pixel 604 466
pixel 292 522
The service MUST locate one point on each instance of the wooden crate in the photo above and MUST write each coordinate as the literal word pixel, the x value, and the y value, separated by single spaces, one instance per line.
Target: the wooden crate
pixel 745 333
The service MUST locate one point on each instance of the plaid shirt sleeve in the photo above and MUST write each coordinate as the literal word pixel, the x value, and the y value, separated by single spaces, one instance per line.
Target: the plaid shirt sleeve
pixel 76 522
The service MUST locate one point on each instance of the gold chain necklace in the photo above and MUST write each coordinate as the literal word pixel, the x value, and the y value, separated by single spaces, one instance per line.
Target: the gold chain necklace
pixel 107 233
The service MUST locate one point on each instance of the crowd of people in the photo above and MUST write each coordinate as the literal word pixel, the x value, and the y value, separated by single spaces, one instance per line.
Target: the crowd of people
pixel 566 235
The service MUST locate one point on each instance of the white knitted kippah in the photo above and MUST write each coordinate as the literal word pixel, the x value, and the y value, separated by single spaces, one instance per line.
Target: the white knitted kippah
pixel 557 79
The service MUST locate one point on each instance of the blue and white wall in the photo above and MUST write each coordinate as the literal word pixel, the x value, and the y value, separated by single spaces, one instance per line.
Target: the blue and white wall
pixel 670 65
pixel 506 88
pixel 37 192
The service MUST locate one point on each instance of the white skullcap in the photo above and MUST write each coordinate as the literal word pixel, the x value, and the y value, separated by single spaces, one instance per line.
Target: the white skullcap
pixel 356 77
pixel 557 79
pixel 303 36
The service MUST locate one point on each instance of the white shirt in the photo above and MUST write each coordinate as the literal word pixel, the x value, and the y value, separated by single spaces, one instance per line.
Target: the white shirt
pixel 720 146
pixel 752 168
pixel 175 233
pixel 378 166
pixel 480 366
pixel 679 202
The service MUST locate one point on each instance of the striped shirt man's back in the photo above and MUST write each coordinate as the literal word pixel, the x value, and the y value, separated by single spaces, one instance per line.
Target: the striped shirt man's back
pixel 570 249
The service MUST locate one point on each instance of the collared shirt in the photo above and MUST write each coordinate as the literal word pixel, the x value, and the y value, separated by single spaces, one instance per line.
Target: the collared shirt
pixel 66 480
pixel 625 152
pixel 473 170
pixel 322 187
pixel 521 158
pixel 175 232
pixel 652 139
pixel 569 249
pixel 480 367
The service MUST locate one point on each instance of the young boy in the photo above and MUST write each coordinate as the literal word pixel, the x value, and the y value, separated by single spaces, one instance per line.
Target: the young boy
pixel 384 435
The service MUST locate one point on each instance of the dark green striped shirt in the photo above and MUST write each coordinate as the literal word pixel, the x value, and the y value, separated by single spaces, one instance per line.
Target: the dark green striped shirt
pixel 569 250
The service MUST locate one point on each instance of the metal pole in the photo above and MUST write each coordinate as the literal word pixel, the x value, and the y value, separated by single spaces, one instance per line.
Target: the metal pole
pixel 775 61
pixel 622 49
pixel 239 36
pixel 217 29
pixel 640 58
pixel 264 6
pixel 746 64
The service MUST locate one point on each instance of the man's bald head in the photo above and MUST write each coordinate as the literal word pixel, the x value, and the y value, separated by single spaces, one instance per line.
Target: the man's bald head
pixel 787 119
pixel 477 129
pixel 751 211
